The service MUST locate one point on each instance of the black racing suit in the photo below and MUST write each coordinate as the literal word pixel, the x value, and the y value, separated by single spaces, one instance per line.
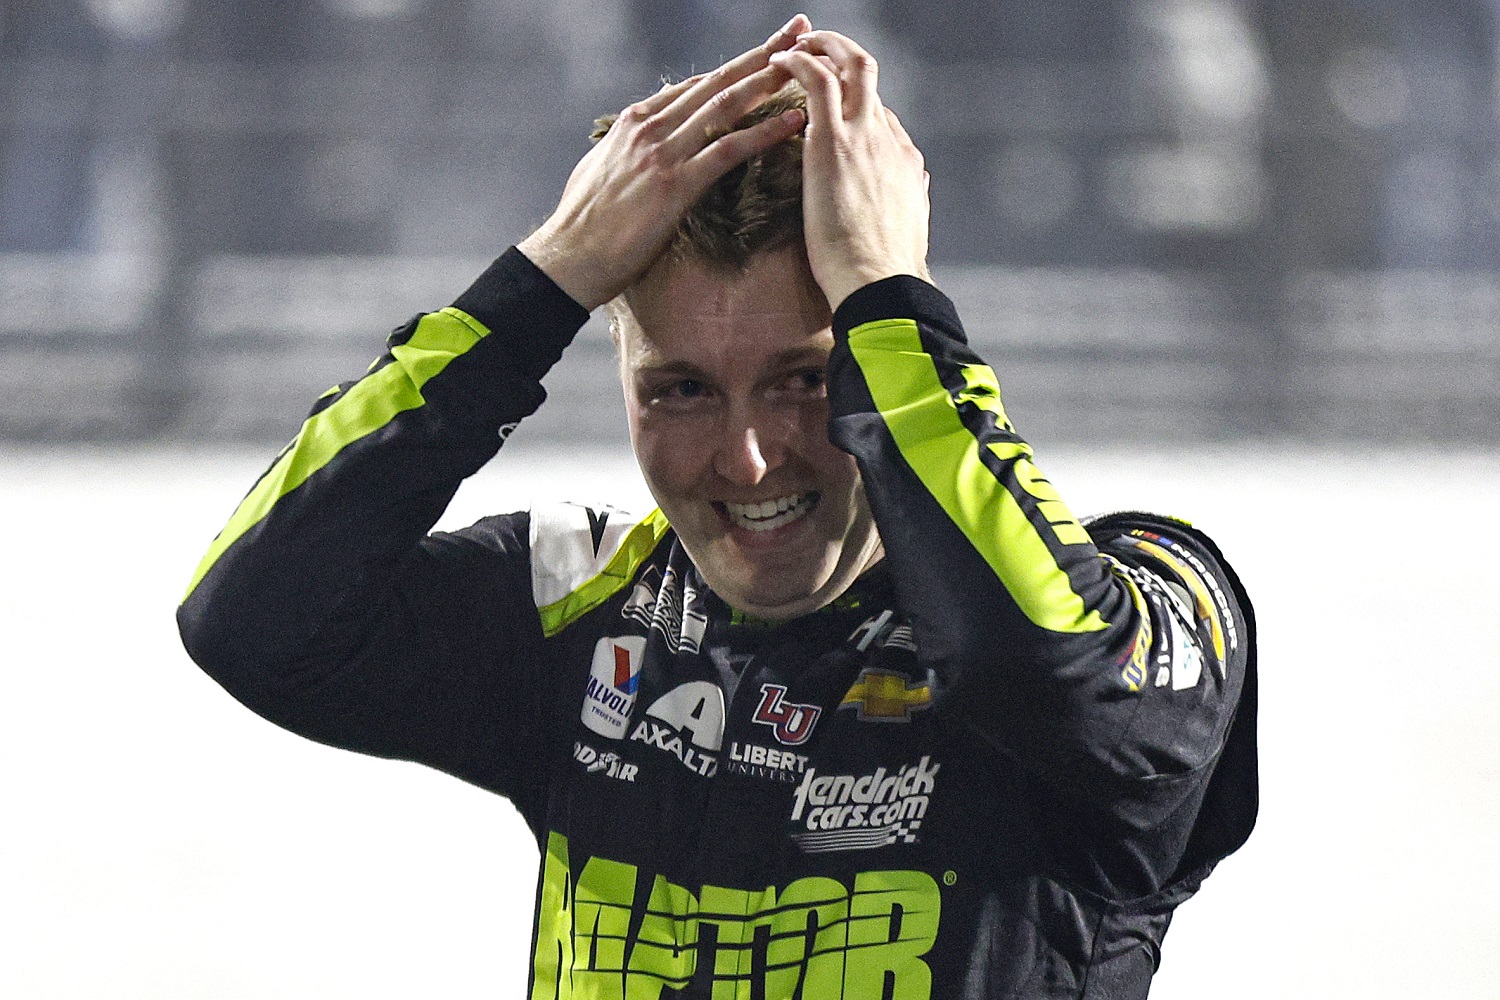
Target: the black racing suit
pixel 991 768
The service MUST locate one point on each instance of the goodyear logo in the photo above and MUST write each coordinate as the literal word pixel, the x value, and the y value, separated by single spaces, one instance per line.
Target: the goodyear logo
pixel 886 696
pixel 817 937
pixel 608 763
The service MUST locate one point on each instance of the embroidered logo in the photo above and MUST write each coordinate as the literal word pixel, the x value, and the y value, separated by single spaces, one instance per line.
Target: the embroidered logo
pixel 670 606
pixel 884 631
pixel 609 764
pixel 849 812
pixel 792 722
pixel 688 723
pixel 886 696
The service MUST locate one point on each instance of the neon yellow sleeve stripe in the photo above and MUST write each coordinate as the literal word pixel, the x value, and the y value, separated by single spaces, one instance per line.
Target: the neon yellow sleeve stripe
pixel 1205 604
pixel 923 420
pixel 639 543
pixel 368 405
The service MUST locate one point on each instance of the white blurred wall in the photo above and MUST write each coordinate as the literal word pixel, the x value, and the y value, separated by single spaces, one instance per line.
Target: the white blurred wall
pixel 160 841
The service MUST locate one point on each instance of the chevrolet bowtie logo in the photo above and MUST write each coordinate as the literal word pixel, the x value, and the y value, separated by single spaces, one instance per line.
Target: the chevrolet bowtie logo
pixel 886 696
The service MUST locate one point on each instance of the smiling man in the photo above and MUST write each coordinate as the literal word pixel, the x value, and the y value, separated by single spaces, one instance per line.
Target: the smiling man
pixel 861 710
pixel 725 388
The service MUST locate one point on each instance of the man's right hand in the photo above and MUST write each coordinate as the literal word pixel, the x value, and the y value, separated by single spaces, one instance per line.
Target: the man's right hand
pixel 624 199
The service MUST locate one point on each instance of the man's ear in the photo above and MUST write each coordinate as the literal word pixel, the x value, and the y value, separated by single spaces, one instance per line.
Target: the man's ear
pixel 618 313
pixel 615 310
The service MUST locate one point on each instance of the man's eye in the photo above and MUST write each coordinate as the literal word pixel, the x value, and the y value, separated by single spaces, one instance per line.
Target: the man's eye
pixel 679 391
pixel 812 381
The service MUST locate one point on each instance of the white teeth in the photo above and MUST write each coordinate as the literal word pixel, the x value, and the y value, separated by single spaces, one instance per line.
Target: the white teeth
pixel 769 514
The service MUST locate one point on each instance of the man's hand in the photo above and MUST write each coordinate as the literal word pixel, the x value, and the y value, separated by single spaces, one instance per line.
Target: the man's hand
pixel 864 189
pixel 626 196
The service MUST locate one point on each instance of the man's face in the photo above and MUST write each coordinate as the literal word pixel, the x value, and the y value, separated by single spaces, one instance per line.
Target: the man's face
pixel 724 388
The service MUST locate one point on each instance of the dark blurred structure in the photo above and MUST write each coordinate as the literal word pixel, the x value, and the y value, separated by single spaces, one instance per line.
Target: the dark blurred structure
pixel 1165 218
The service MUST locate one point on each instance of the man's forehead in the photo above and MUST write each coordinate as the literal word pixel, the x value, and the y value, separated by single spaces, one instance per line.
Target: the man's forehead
pixel 773 284
pixel 646 354
pixel 768 313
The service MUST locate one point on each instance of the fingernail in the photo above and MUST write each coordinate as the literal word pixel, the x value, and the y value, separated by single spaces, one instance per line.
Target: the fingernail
pixel 785 28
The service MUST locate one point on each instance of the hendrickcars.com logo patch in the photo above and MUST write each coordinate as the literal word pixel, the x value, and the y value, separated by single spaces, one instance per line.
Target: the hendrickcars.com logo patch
pixel 853 812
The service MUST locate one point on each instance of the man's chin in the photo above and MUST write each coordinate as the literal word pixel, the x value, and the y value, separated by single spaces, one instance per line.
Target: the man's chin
pixel 786 585
pixel 780 608
pixel 776 599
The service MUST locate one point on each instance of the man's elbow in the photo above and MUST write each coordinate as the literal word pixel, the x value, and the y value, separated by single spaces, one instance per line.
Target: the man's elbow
pixel 207 634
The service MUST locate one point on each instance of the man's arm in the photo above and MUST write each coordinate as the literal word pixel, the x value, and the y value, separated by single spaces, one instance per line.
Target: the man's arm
pixel 323 604
pixel 1113 670
pixel 1109 657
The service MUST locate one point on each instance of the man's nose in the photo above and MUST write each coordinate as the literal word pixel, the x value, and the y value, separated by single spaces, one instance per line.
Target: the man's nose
pixel 747 450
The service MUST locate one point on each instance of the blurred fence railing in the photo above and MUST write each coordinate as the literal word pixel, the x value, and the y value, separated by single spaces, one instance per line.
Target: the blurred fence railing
pixel 1083 354
pixel 238 235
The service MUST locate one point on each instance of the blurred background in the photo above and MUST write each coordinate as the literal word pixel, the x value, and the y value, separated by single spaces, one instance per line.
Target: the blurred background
pixel 1204 219
pixel 1233 259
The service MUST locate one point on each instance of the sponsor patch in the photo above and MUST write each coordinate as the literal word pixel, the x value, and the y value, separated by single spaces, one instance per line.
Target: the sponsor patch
pixel 688 723
pixel 764 762
pixel 613 679
pixel 883 631
pixel 664 737
pixel 608 763
pixel 669 606
pixel 606 928
pixel 856 812
pixel 1135 665
pixel 881 695
pixel 1210 603
pixel 791 722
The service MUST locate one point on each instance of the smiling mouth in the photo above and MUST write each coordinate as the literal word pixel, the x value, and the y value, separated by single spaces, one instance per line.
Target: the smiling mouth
pixel 768 515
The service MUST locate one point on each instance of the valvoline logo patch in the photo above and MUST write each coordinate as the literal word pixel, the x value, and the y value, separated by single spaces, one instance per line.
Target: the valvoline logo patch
pixel 627 668
pixel 614 678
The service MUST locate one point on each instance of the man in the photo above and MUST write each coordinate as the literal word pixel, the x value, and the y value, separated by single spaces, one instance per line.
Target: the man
pixel 861 711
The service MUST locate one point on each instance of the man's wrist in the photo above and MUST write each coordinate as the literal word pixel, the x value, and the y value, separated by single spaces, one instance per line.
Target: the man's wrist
pixel 839 289
pixel 521 303
pixel 566 269
pixel 903 296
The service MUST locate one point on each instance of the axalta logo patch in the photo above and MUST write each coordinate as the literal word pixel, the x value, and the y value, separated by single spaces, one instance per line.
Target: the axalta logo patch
pixel 613 681
pixel 851 812
pixel 886 696
pixel 688 723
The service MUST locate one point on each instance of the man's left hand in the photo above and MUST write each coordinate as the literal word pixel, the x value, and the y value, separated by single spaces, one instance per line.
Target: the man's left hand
pixel 865 208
